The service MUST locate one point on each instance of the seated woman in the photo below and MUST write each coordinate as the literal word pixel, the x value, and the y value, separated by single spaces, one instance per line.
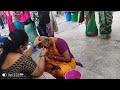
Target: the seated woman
pixel 59 58
pixel 14 64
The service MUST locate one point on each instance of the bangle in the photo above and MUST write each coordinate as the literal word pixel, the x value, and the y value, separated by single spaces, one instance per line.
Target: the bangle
pixel 42 55
pixel 33 46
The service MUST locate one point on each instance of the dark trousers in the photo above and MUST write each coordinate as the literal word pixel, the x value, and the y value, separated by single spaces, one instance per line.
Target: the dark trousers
pixel 1 22
pixel 42 30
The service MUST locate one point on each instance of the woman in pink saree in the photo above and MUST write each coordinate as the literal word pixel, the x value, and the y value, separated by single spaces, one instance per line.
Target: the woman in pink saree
pixel 9 20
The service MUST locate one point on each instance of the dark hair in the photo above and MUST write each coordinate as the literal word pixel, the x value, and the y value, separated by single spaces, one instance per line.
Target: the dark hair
pixel 12 43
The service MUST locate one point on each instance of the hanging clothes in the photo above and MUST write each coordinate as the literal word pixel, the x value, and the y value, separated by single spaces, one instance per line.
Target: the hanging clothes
pixel 44 20
pixel 105 21
pixel 9 16
pixel 91 27
pixel 2 19
pixel 29 26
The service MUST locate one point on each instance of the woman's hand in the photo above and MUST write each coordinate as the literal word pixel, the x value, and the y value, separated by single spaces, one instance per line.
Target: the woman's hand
pixel 44 51
pixel 50 55
pixel 37 41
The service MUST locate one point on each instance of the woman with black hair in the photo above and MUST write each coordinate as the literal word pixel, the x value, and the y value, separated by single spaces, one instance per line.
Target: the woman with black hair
pixel 16 65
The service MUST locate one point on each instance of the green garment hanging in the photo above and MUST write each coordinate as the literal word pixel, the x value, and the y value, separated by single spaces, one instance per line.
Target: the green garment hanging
pixel 30 29
pixel 91 28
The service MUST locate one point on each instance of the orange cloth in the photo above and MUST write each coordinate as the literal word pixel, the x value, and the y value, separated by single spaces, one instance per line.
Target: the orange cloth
pixel 64 66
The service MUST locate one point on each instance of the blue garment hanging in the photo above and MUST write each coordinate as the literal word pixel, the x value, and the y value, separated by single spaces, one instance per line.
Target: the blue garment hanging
pixel 18 25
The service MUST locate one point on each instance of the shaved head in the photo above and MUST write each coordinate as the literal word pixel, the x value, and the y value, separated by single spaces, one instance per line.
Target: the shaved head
pixel 45 41
pixel 42 38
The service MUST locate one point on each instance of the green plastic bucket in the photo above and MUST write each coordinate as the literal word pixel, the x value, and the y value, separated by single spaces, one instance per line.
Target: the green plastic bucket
pixel 74 16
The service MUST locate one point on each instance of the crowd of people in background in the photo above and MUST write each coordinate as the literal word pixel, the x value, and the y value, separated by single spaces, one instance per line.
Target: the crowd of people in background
pixel 105 23
pixel 45 24
pixel 44 21
pixel 2 19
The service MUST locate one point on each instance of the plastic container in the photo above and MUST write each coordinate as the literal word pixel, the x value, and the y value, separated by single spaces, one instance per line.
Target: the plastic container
pixel 73 74
pixel 74 16
pixel 68 16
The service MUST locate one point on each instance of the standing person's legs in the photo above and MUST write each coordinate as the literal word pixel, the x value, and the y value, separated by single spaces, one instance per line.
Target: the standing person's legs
pixel 42 30
pixel 81 17
pixel 91 28
pixel 105 20
pixel 56 13
pixel 1 22
pixel 9 22
pixel 50 30
pixel 45 31
pixel 3 19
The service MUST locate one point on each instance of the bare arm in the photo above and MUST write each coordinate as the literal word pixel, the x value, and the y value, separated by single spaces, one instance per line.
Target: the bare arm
pixel 40 67
pixel 41 64
pixel 29 51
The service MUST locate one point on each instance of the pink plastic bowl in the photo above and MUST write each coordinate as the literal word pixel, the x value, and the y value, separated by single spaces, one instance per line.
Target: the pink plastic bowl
pixel 73 74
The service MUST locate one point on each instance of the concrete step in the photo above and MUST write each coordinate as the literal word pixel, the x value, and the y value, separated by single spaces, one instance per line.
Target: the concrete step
pixel 87 74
